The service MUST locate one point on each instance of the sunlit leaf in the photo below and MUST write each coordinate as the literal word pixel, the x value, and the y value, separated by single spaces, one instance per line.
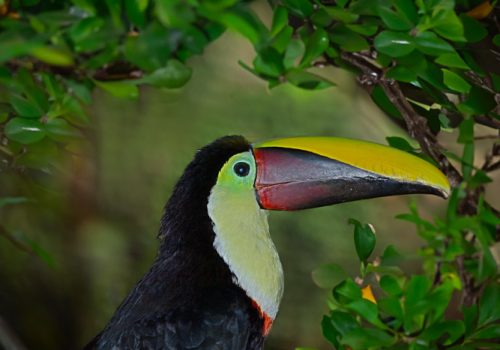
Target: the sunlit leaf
pixel 394 44
pixel 25 131
pixel 119 89
pixel 455 82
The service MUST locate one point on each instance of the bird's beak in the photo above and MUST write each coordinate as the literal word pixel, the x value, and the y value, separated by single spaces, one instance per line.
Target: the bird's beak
pixel 307 172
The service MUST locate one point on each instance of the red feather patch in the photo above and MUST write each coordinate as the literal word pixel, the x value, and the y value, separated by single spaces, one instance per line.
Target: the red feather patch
pixel 267 321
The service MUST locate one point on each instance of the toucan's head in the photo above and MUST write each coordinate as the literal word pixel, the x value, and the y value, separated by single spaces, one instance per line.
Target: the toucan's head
pixel 235 183
pixel 307 172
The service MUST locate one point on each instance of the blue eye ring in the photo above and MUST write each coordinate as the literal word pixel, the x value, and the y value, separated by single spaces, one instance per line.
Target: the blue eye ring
pixel 241 169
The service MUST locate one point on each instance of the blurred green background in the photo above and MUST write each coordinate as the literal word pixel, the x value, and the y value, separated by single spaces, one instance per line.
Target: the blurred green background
pixel 95 220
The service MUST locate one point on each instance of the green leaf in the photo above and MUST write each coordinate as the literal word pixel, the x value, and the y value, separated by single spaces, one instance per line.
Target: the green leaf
pixel 84 29
pixel 320 18
pixel 135 11
pixel 342 15
pixel 466 131
pixel 343 322
pixel 14 45
pixel 60 130
pixel 307 81
pixel 430 44
pixel 408 9
pixel 329 275
pixel 490 332
pixel 25 107
pixel 294 51
pixel 496 40
pixel 489 304
pixel 446 331
pixel 391 307
pixel 400 143
pixel 269 62
pixel 391 286
pixel 315 46
pixel 367 310
pixel 402 74
pixel 447 24
pixel 367 338
pixel 394 19
pixel 53 56
pixel 347 39
pixel 302 8
pixel 39 155
pixel 474 31
pixel 438 300
pixel 329 331
pixel 468 160
pixel 480 178
pixel 452 60
pixel 347 291
pixel 280 20
pixel 366 29
pixel 82 90
pixel 243 23
pixel 283 39
pixel 416 290
pixel 119 89
pixel 432 83
pixel 152 48
pixel 381 100
pixel 174 75
pixel 479 101
pixel 25 131
pixel 394 44
pixel 470 318
pixel 177 14
pixel 52 85
pixel 33 92
pixel 115 11
pixel 364 239
pixel 455 82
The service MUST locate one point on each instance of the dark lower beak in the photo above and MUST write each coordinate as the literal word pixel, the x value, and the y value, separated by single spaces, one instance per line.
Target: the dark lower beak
pixel 300 173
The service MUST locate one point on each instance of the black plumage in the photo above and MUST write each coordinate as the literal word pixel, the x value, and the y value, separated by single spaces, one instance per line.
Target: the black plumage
pixel 188 299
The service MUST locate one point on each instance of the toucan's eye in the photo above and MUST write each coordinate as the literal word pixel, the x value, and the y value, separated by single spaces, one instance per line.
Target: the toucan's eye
pixel 241 169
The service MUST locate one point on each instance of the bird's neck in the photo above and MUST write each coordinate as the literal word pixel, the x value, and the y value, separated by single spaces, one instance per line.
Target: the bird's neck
pixel 242 239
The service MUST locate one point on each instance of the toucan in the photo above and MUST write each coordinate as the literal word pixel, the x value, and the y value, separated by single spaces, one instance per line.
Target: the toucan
pixel 217 280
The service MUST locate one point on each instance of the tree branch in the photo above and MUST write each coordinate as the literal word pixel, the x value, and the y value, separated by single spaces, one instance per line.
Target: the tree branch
pixel 415 123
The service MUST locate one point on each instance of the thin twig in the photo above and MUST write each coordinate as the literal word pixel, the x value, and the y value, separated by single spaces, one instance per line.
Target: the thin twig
pixel 487 121
pixel 486 137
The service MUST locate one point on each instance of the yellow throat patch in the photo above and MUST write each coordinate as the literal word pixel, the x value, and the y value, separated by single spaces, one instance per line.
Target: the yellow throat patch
pixel 242 236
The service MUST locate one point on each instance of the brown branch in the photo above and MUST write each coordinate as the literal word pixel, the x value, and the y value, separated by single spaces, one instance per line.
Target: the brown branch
pixel 117 70
pixel 487 121
pixel 489 163
pixel 486 137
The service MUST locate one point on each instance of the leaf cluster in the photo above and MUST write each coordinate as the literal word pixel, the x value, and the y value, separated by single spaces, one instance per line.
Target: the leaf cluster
pixel 385 308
